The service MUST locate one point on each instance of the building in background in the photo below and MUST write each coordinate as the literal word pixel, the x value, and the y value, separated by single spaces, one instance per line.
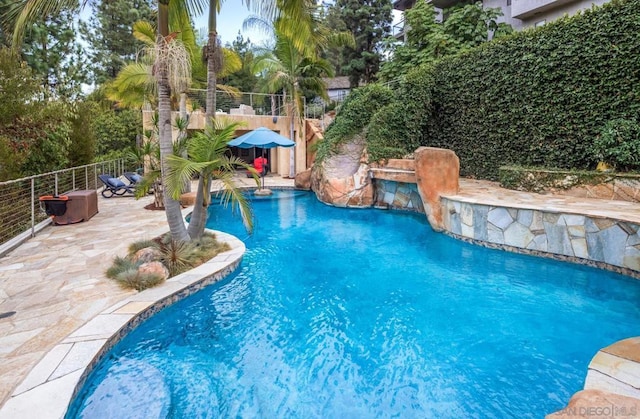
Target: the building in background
pixel 337 88
pixel 520 14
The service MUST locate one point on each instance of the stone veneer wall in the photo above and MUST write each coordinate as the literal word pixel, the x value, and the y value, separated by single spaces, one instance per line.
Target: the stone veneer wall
pixel 601 242
pixel 397 195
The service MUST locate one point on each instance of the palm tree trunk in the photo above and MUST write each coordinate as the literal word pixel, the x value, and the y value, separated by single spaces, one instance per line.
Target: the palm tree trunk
pixel 183 116
pixel 292 151
pixel 200 208
pixel 172 207
pixel 212 45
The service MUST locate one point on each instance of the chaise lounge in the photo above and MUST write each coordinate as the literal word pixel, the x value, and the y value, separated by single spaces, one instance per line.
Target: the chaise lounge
pixel 114 186
pixel 133 178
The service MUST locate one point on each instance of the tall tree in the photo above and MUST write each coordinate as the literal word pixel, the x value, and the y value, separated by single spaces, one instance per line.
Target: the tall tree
pixel 370 22
pixel 108 33
pixel 331 16
pixel 52 51
pixel 208 160
pixel 292 70
pixel 244 79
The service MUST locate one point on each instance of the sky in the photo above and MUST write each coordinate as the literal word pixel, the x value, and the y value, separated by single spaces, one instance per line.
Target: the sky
pixel 230 19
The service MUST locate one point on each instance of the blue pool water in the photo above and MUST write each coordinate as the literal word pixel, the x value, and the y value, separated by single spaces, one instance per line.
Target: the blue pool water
pixel 339 313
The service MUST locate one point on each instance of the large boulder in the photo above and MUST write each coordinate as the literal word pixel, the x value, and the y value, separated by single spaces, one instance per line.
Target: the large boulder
pixel 437 174
pixel 147 254
pixel 343 179
pixel 154 268
pixel 303 180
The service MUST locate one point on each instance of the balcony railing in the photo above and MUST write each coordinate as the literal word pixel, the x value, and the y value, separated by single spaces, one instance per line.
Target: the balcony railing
pixel 20 214
pixel 523 9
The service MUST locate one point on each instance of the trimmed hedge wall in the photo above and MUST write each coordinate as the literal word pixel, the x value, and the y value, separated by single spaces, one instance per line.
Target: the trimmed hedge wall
pixel 541 96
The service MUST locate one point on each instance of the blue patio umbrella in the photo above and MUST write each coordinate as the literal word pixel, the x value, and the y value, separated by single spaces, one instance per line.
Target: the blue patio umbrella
pixel 261 137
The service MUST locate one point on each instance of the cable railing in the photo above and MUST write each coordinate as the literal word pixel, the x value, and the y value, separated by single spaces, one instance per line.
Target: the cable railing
pixel 261 104
pixel 248 103
pixel 20 214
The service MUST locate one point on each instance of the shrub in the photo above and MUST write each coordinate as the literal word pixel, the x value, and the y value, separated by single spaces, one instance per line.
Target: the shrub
pixel 116 130
pixel 353 117
pixel 142 244
pixel 618 144
pixel 132 278
pixel 120 265
pixel 388 136
pixel 176 257
pixel 398 129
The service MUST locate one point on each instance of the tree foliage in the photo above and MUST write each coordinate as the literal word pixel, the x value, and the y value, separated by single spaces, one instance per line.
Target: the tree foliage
pixel 427 41
pixel 370 22
pixel 539 97
pixel 33 133
pixel 536 98
pixel 116 130
pixel 108 33
pixel 398 129
pixel 52 51
pixel 244 79
pixel 353 117
pixel 82 138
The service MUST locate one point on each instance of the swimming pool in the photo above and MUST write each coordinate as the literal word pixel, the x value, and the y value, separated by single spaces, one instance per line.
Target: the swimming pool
pixel 365 313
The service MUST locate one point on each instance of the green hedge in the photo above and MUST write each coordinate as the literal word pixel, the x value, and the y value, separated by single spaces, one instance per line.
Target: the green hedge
pixel 539 97
pixel 398 129
pixel 353 117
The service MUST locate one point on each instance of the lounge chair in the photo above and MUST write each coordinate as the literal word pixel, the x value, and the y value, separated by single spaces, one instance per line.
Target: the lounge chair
pixel 133 178
pixel 114 186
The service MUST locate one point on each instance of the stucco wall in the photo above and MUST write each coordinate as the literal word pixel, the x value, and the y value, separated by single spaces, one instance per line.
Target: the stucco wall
pixel 280 157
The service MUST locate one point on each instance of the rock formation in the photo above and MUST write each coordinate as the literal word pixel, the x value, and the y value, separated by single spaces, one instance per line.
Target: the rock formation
pixel 303 180
pixel 154 268
pixel 437 174
pixel 148 254
pixel 343 179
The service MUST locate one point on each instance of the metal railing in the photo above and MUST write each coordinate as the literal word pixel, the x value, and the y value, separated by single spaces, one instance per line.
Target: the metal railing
pixel 21 216
pixel 260 104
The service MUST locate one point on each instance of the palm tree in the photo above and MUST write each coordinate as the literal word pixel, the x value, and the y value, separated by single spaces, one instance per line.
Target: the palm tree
pixel 291 69
pixel 207 158
pixel 23 12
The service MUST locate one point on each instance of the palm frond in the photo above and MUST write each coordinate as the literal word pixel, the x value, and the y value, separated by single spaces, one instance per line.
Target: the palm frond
pixel 21 13
pixel 229 90
pixel 230 194
pixel 145 32
pixel 179 172
pixel 232 63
